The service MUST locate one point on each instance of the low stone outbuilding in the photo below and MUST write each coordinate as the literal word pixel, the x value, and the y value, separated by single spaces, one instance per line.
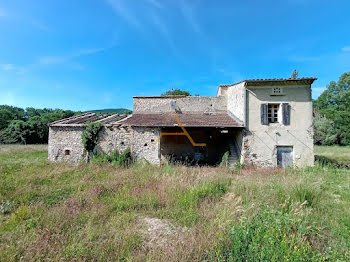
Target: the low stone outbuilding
pixel 265 122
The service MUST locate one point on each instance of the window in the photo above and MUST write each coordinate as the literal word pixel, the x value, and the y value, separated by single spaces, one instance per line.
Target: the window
pixel 67 152
pixel 277 91
pixel 273 113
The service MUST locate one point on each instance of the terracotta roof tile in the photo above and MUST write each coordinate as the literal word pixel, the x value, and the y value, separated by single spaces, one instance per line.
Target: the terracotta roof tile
pixel 262 80
pixel 186 119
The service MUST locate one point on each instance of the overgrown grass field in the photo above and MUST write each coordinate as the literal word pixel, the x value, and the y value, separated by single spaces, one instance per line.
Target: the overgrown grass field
pixel 99 212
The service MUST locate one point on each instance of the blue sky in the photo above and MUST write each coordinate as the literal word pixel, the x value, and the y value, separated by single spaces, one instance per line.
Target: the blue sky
pixel 93 54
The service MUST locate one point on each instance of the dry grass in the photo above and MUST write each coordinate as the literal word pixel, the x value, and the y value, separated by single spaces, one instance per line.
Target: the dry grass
pixel 7 149
pixel 97 212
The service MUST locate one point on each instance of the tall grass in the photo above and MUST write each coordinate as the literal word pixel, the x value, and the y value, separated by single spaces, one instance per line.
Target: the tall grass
pixel 54 211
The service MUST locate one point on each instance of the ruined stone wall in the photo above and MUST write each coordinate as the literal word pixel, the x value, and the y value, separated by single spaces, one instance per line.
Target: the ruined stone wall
pixel 150 105
pixel 114 137
pixel 143 146
pixel 62 139
pixel 260 141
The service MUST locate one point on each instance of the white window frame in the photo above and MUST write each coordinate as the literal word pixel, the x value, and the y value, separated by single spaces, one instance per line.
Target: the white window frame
pixel 274 113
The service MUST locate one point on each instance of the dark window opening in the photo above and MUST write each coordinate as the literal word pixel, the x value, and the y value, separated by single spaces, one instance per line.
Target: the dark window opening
pixel 152 140
pixel 122 143
pixel 145 144
pixel 66 152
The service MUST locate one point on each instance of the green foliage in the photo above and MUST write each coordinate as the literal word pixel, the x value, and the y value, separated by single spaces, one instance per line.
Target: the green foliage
pixel 224 159
pixel 309 195
pixel 90 135
pixel 325 132
pixel 185 204
pixel 28 126
pixel 122 159
pixel 271 235
pixel 334 104
pixel 92 212
pixel 176 92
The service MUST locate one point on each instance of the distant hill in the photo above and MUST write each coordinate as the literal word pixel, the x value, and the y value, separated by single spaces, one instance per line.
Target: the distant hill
pixel 112 111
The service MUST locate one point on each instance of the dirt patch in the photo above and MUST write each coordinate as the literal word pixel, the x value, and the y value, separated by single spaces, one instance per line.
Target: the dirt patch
pixel 160 232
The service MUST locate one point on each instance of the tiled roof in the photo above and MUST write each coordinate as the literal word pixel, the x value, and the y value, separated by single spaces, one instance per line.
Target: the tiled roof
pixel 302 79
pixel 85 118
pixel 186 119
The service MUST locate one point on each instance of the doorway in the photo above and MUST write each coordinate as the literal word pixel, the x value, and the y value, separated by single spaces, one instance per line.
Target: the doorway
pixel 284 156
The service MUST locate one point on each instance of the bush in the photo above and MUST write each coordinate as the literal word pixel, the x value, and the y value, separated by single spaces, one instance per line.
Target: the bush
pixel 325 132
pixel 123 159
pixel 90 135
pixel 224 159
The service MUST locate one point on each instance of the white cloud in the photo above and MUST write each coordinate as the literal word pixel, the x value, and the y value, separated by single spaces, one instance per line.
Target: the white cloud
pixel 189 14
pixel 55 60
pixel 122 10
pixel 7 67
pixel 346 49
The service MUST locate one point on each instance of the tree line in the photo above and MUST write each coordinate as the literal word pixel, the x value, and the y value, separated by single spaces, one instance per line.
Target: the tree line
pixel 28 126
pixel 332 113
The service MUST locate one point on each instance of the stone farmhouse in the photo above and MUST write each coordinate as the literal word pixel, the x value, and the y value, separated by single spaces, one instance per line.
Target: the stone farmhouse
pixel 264 122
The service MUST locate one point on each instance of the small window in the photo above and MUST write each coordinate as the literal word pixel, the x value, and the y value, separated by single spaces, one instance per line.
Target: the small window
pixel 152 140
pixel 273 113
pixel 122 143
pixel 277 91
pixel 145 144
pixel 67 152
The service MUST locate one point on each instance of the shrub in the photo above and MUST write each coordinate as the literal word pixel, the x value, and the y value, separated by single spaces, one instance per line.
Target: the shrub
pixel 224 159
pixel 90 135
pixel 116 158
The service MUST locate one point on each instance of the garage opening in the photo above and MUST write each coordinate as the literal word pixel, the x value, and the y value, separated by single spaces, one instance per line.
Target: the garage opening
pixel 178 149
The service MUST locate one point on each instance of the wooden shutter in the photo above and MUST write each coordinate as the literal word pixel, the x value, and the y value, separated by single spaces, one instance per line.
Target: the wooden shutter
pixel 264 114
pixel 286 114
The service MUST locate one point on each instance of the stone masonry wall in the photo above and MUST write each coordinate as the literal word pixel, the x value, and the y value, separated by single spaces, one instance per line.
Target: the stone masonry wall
pixel 62 139
pixel 143 146
pixel 148 105
pixel 114 137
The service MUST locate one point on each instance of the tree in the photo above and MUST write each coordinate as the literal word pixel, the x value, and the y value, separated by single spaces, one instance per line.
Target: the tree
pixel 334 104
pixel 294 74
pixel 176 92
pixel 325 132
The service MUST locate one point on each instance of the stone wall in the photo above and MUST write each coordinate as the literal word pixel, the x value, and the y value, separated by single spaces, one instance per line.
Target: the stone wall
pixel 139 140
pixel 64 140
pixel 114 137
pixel 149 105
pixel 143 144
